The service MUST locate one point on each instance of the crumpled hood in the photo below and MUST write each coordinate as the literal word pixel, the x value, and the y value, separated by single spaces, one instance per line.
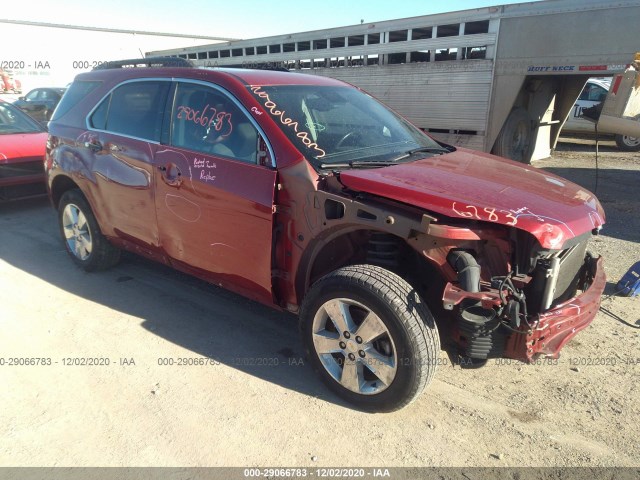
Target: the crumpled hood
pixel 480 186
pixel 25 146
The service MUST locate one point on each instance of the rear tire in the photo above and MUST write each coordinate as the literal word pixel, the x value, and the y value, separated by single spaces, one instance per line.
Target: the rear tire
pixel 370 337
pixel 81 234
pixel 514 140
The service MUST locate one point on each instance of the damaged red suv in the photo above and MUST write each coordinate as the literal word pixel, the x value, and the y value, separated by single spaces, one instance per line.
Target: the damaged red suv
pixel 306 194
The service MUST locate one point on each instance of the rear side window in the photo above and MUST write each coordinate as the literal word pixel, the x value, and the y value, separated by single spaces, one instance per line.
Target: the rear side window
pixel 76 92
pixel 134 109
pixel 98 118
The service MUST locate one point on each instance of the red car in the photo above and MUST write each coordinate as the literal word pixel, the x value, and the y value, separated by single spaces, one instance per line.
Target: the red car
pixel 306 194
pixel 22 148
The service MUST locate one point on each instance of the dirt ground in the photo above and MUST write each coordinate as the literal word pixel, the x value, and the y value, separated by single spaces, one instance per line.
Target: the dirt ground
pixel 582 410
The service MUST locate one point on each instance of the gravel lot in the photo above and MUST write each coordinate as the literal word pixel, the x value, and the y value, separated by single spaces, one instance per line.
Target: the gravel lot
pixel 582 410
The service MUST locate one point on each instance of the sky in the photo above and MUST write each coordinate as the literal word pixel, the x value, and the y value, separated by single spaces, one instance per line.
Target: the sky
pixel 235 19
pixel 52 57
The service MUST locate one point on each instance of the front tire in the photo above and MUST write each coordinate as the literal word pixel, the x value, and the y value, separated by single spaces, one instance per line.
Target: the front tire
pixel 370 337
pixel 81 234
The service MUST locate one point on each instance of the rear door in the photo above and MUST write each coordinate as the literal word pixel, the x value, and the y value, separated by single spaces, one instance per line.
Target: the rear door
pixel 124 133
pixel 214 198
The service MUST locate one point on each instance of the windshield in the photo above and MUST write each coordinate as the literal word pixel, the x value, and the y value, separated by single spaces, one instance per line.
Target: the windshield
pixel 13 120
pixel 334 125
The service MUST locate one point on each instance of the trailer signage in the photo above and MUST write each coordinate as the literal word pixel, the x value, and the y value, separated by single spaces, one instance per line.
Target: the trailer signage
pixel 551 68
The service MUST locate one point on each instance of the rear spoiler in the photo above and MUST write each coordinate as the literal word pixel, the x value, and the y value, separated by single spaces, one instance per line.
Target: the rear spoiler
pixel 621 109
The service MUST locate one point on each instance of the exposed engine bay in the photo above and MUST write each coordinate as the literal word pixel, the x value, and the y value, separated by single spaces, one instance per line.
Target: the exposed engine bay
pixel 507 296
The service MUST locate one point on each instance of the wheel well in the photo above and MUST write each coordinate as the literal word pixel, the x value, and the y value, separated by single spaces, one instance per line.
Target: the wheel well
pixel 60 185
pixel 374 247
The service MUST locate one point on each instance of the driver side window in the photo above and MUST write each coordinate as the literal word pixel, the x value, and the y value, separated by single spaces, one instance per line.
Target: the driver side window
pixel 593 93
pixel 597 94
pixel 207 121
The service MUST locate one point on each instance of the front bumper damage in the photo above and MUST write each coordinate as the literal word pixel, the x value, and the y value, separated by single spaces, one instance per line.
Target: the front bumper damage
pixel 555 327
pixel 547 332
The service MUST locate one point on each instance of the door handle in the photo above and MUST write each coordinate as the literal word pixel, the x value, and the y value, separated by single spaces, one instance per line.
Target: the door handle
pixel 93 145
pixel 171 174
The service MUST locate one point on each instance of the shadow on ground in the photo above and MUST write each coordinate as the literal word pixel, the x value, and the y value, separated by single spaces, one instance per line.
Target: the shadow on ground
pixel 203 319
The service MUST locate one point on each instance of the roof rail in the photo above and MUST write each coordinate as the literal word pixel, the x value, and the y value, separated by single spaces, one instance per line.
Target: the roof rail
pixel 276 67
pixel 146 62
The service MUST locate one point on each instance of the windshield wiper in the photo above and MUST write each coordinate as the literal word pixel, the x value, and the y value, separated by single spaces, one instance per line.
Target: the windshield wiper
pixel 385 163
pixel 413 151
pixel 359 164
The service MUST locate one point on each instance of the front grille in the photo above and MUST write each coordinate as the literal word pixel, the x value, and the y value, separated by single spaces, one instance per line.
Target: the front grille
pixel 555 278
pixel 571 265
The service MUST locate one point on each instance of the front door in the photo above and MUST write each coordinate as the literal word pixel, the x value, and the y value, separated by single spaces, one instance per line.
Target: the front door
pixel 214 202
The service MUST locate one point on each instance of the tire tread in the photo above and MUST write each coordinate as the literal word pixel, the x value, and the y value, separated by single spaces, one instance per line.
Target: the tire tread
pixel 416 319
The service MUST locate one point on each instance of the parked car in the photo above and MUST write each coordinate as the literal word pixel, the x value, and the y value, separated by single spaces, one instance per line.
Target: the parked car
pixel 22 148
pixel 40 102
pixel 595 92
pixel 308 195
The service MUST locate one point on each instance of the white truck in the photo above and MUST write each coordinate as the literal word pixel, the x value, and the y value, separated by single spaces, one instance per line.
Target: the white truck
pixel 594 93
pixel 500 79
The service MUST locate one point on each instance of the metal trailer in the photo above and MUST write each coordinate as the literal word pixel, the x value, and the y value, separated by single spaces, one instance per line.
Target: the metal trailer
pixel 500 79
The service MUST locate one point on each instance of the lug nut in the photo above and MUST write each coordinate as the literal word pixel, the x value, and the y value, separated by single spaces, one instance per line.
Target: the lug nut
pixel 359 339
pixel 352 357
pixel 361 353
pixel 347 335
pixel 343 345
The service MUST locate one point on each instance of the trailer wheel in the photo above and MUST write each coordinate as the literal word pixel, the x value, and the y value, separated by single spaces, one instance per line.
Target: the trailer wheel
pixel 627 143
pixel 514 140
pixel 370 337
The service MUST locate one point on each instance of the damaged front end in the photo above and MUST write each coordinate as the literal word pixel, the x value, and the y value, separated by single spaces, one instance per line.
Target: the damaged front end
pixel 519 292
pixel 534 308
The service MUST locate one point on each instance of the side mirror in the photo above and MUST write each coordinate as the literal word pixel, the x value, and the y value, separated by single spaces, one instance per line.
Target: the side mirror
pixel 20 98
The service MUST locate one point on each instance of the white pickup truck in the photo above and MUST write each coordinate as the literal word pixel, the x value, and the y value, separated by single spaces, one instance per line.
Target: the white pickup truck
pixel 594 92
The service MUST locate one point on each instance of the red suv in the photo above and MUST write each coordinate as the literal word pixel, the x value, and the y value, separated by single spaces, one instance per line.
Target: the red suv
pixel 306 194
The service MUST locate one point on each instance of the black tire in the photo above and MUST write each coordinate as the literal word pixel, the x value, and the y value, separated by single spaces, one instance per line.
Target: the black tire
pixel 627 143
pixel 514 140
pixel 410 342
pixel 102 254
